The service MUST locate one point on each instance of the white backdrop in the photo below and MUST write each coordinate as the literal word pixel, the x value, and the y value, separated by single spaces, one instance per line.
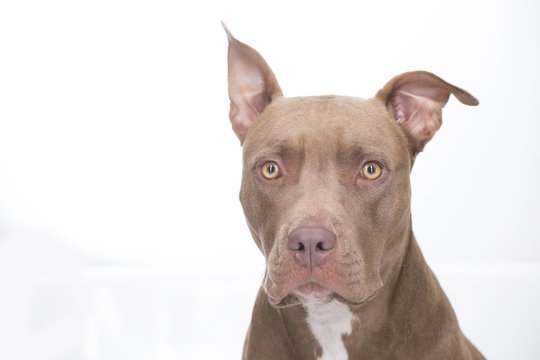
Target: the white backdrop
pixel 116 152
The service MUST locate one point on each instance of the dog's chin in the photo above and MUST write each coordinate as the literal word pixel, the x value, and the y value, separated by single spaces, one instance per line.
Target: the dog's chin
pixel 309 293
pixel 314 293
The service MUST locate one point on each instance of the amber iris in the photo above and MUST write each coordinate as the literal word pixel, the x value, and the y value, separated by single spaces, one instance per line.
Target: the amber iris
pixel 371 170
pixel 270 170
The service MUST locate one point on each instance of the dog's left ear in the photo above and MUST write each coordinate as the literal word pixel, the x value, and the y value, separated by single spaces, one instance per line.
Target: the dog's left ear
pixel 252 85
pixel 416 99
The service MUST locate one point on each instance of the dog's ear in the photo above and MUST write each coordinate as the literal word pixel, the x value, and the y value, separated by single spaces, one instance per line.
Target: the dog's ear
pixel 416 99
pixel 252 85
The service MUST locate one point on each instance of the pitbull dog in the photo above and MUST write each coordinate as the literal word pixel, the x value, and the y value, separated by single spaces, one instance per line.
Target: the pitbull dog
pixel 327 198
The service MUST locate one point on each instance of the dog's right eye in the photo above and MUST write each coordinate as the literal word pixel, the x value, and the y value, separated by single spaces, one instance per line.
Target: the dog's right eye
pixel 270 170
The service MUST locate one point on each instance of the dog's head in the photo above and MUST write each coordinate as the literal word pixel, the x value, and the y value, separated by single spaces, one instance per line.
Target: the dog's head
pixel 325 183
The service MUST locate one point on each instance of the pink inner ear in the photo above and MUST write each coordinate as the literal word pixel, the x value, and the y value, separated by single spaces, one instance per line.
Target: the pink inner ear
pixel 252 85
pixel 421 115
pixel 245 106
pixel 246 81
pixel 416 99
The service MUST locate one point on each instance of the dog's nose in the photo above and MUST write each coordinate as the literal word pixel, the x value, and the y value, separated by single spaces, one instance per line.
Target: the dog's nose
pixel 311 245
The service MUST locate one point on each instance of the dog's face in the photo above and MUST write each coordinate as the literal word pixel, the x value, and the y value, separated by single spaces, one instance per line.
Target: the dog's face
pixel 321 147
pixel 325 183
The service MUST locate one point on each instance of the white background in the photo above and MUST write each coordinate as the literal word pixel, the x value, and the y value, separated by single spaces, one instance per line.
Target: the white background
pixel 121 234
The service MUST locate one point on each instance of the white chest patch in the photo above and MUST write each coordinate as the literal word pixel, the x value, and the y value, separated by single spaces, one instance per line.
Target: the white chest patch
pixel 328 322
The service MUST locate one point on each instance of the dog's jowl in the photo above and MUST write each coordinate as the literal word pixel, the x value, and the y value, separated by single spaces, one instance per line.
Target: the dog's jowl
pixel 326 195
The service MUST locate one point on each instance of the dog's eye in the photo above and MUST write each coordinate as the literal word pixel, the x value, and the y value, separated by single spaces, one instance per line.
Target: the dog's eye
pixel 270 170
pixel 371 170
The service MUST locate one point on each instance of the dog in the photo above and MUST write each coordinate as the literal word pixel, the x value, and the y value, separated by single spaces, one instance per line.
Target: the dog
pixel 327 198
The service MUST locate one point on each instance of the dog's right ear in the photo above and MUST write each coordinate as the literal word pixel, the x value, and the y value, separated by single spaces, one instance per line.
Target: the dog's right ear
pixel 252 85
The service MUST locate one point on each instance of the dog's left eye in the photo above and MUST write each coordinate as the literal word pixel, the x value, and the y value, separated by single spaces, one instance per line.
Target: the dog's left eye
pixel 270 170
pixel 371 170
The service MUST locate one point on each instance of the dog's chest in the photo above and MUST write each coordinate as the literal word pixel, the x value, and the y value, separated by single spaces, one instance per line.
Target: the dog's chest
pixel 328 323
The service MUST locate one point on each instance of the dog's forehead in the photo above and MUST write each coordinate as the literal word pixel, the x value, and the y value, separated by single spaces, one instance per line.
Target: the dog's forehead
pixel 326 121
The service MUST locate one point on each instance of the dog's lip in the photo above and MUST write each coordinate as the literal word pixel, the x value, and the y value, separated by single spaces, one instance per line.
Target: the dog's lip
pixel 304 291
pixel 311 287
pixel 356 304
pixel 313 291
pixel 273 300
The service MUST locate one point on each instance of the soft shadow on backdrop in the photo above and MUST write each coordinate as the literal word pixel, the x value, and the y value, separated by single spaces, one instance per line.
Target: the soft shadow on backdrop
pixel 121 234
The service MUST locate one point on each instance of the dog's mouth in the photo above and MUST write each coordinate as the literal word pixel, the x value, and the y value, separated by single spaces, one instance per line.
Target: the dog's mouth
pixel 287 282
pixel 314 292
pixel 310 292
